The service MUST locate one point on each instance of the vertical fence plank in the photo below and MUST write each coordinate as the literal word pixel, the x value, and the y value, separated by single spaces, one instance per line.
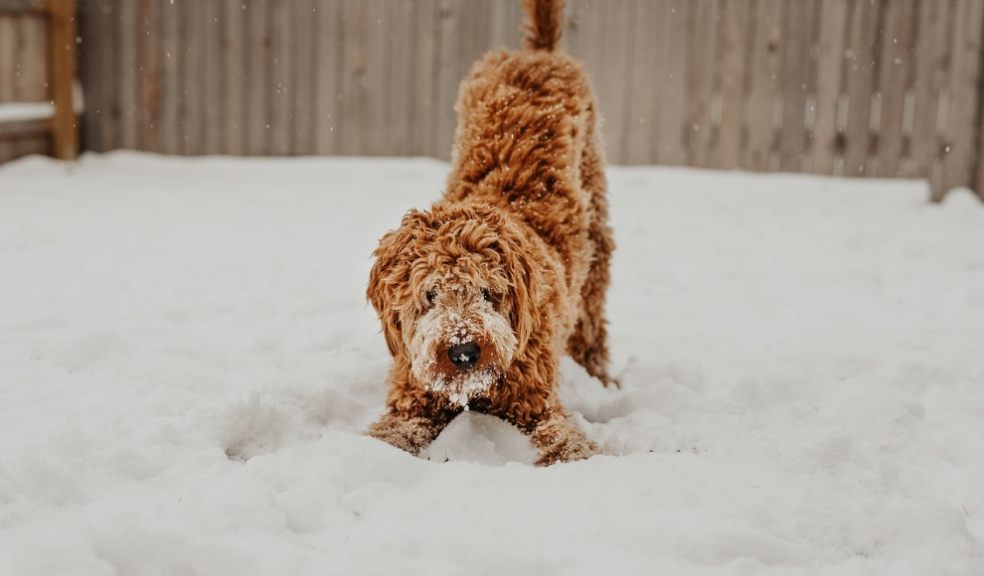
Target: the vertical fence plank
pixel 447 79
pixel 234 78
pixel 211 77
pixel 148 37
pixel 671 139
pixel 327 87
pixel 830 61
pixel 377 29
pixel 893 84
pixel 280 90
pixel 192 47
pixel 796 65
pixel 8 47
pixel 32 81
pixel 930 78
pixel 257 120
pixel 700 81
pixel 613 77
pixel 303 70
pixel 90 59
pixel 170 133
pixel 734 32
pixel 641 111
pixel 400 63
pixel 127 26
pixel 353 99
pixel 764 76
pixel 860 85
pixel 108 61
pixel 423 108
pixel 962 120
pixel 506 25
pixel 62 73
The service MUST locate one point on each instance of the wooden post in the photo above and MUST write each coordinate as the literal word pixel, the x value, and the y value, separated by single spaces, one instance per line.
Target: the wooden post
pixel 61 50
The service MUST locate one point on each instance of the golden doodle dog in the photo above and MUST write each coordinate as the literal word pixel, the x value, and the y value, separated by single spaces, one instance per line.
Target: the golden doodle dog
pixel 481 295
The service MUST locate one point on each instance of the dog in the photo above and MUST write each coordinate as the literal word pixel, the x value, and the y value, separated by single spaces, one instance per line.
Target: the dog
pixel 481 295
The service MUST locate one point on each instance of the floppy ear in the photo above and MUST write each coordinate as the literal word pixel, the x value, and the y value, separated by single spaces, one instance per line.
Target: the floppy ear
pixel 527 287
pixel 389 275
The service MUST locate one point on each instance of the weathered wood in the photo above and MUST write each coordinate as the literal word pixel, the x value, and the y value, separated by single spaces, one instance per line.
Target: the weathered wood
pixel 148 49
pixel 860 85
pixel 378 27
pixel 761 84
pixel 963 121
pixel 641 119
pixel 64 127
pixel 763 88
pixel 235 77
pixel 91 57
pixel 328 86
pixel 506 25
pixel 171 55
pixel 612 79
pixel 281 89
pixel 353 97
pixel 20 129
pixel 8 57
pixel 733 56
pixel 20 7
pixel 424 102
pixel 830 65
pixel 127 73
pixel 700 82
pixel 8 46
pixel 795 83
pixel 31 82
pixel 303 65
pixel 399 64
pixel 191 116
pixel 930 79
pixel 447 78
pixel 670 143
pixel 894 83
pixel 210 78
pixel 257 120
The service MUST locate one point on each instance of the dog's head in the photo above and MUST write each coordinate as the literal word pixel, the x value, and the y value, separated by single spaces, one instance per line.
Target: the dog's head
pixel 456 295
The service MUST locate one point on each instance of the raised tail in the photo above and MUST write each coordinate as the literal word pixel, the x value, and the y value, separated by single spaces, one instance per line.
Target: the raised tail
pixel 543 23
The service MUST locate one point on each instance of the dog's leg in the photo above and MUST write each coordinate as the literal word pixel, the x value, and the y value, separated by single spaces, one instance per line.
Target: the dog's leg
pixel 588 344
pixel 406 431
pixel 558 439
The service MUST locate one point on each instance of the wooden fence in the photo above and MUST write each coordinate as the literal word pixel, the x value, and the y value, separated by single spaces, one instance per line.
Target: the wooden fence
pixel 23 76
pixel 847 87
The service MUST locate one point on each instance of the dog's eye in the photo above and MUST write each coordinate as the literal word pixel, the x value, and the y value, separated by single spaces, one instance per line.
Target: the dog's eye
pixel 488 297
pixel 431 296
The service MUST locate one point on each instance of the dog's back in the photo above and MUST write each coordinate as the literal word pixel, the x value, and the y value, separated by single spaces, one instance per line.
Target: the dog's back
pixel 527 138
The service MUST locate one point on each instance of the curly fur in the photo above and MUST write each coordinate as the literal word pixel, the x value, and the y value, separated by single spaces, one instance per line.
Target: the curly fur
pixel 514 257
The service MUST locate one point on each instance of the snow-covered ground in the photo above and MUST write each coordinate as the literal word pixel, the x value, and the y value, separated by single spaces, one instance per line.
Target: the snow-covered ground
pixel 187 362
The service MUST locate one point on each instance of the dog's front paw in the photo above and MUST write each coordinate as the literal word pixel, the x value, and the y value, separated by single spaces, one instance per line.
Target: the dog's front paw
pixel 560 440
pixel 567 450
pixel 406 433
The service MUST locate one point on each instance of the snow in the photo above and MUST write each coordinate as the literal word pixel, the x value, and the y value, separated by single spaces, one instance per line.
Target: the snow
pixel 187 362
pixel 23 111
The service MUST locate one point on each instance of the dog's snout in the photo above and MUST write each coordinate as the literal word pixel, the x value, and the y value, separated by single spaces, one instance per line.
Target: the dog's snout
pixel 464 356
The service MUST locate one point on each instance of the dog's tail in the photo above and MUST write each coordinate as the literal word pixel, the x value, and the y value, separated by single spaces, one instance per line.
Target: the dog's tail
pixel 543 23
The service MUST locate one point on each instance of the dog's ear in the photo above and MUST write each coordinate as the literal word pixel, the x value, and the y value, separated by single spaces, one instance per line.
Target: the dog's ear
pixel 527 286
pixel 389 276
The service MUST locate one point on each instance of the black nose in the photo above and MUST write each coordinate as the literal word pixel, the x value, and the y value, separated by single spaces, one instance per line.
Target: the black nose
pixel 464 355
